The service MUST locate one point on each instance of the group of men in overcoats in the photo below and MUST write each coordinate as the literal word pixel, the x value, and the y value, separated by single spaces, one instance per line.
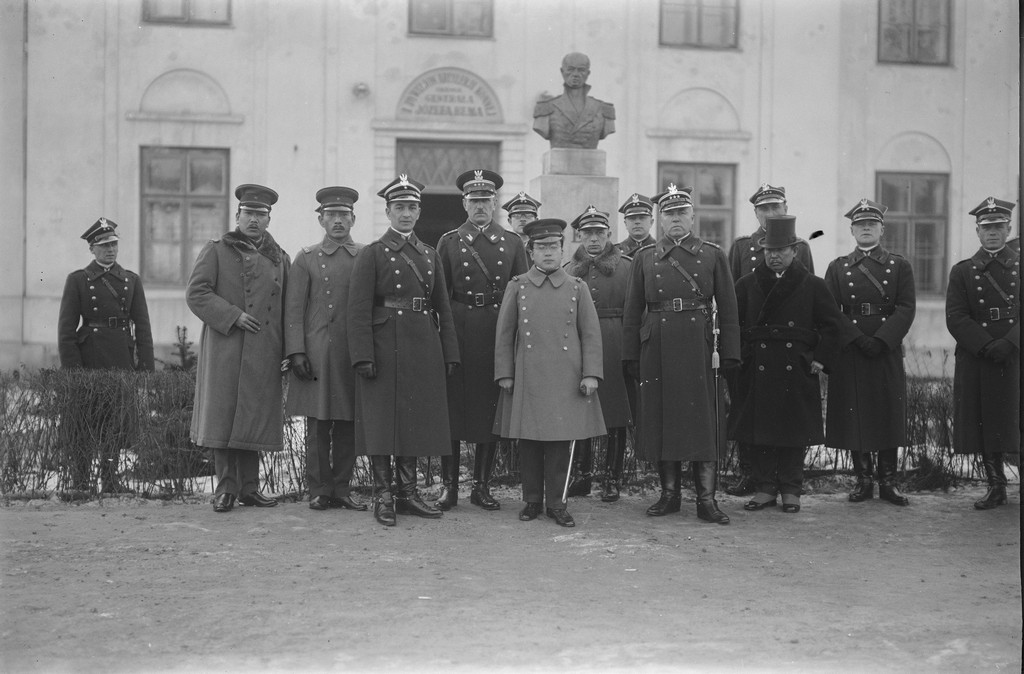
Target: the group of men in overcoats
pixel 520 344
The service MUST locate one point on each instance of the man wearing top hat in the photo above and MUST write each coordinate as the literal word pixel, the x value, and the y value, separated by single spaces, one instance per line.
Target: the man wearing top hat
pixel 402 345
pixel 637 216
pixel 745 254
pixel 784 312
pixel 867 387
pixel 103 324
pixel 602 266
pixel 983 315
pixel 521 209
pixel 478 260
pixel 237 289
pixel 322 383
pixel 675 287
pixel 548 363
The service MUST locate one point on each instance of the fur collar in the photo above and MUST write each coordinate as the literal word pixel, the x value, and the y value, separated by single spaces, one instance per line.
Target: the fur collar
pixel 268 247
pixel 606 262
pixel 777 290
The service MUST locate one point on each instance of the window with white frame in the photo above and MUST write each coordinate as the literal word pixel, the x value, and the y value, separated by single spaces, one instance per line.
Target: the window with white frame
pixel 700 23
pixel 452 18
pixel 917 223
pixel 196 12
pixel 914 31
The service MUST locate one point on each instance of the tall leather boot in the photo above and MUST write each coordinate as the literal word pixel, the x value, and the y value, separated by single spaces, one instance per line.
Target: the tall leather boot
pixel 449 496
pixel 582 469
pixel 383 503
pixel 670 499
pixel 887 488
pixel 745 486
pixel 865 473
pixel 996 494
pixel 705 480
pixel 613 461
pixel 483 464
pixel 407 496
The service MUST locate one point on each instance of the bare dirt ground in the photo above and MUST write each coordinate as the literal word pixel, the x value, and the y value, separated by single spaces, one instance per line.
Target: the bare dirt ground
pixel 132 585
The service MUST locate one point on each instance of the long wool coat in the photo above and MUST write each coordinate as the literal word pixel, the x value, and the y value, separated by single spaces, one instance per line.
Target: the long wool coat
pixel 867 397
pixel 606 276
pixel 475 299
pixel 778 400
pixel 677 409
pixel 404 410
pixel 87 299
pixel 548 339
pixel 316 324
pixel 238 378
pixel 986 396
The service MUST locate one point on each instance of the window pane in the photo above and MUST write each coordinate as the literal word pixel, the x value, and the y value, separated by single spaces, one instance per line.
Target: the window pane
pixel 931 45
pixel 679 23
pixel 163 173
pixel 472 17
pixel 429 16
pixel 207 174
pixel 162 221
pixel 932 12
pixel 929 196
pixel 894 43
pixel 718 26
pixel 164 10
pixel 210 11
pixel 712 227
pixel 161 234
pixel 714 187
pixel 897 11
pixel 207 220
pixel 895 193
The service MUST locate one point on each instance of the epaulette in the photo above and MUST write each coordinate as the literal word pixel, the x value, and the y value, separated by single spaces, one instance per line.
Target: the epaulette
pixel 307 249
pixel 577 279
pixel 450 231
pixel 607 110
pixel 623 256
pixel 712 243
pixel 514 278
pixel 642 249
pixel 543 108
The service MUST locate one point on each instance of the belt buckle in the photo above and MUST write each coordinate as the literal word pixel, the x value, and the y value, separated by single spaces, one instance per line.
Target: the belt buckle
pixel 993 314
pixel 417 304
pixel 677 304
pixel 112 322
pixel 865 309
pixel 478 299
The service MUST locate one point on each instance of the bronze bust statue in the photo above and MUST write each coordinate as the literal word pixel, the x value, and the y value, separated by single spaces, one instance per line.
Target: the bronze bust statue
pixel 574 119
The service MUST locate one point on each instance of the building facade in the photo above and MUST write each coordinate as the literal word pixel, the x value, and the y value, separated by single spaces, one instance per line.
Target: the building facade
pixel 150 112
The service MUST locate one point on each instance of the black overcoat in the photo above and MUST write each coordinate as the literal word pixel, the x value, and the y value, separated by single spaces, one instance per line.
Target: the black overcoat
pixel 778 400
pixel 986 395
pixel 475 299
pixel 867 397
pixel 102 327
pixel 607 276
pixel 677 409
pixel 404 410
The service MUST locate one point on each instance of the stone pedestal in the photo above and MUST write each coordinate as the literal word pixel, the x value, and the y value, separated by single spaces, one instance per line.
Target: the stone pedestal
pixel 572 180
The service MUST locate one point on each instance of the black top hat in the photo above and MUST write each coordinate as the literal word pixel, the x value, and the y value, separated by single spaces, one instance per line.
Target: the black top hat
pixel 546 229
pixel 336 199
pixel 780 232
pixel 101 231
pixel 479 184
pixel 255 197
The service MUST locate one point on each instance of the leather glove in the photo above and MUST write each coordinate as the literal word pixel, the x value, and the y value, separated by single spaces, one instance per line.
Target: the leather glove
pixel 301 366
pixel 870 346
pixel 450 368
pixel 998 351
pixel 366 370
pixel 631 368
pixel 505 383
pixel 730 363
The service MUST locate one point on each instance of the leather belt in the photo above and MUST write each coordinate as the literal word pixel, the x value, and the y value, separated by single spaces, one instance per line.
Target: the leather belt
pixel 112 322
pixel 677 304
pixel 609 313
pixel 477 299
pixel 999 313
pixel 868 309
pixel 413 303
